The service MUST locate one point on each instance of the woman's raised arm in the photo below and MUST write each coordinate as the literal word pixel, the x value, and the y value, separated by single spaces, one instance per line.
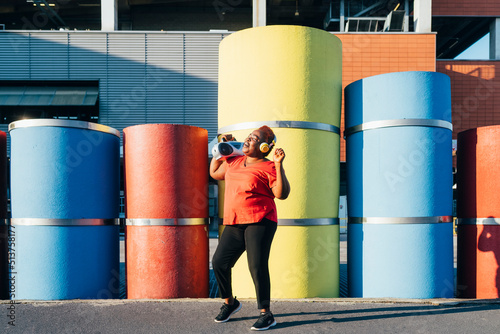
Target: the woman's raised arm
pixel 282 188
pixel 218 169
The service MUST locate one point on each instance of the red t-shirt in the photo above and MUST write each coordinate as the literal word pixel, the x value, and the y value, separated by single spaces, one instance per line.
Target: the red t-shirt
pixel 248 197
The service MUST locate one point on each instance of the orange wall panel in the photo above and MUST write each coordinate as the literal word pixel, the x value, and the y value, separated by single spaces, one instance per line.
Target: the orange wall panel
pixel 466 8
pixel 365 55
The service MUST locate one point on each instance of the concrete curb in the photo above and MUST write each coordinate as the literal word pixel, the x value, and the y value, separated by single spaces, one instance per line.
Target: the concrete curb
pixel 109 302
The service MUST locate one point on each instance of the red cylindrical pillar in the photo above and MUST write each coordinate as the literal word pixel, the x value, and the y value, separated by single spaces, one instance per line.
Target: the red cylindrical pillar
pixel 166 202
pixel 4 232
pixel 478 211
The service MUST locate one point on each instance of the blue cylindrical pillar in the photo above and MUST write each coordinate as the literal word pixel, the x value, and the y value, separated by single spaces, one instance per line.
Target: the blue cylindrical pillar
pixel 399 186
pixel 65 205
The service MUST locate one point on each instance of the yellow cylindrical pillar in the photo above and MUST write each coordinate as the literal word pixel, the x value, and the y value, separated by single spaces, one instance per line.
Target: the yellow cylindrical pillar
pixel 289 78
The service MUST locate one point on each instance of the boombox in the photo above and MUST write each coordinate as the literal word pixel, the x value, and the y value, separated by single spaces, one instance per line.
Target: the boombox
pixel 226 150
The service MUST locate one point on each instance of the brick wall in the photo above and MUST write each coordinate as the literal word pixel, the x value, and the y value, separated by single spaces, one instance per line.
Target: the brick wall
pixel 475 92
pixel 366 55
pixel 466 7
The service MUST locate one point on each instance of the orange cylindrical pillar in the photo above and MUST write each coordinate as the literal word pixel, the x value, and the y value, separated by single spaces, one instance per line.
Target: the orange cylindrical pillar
pixel 166 206
pixel 478 211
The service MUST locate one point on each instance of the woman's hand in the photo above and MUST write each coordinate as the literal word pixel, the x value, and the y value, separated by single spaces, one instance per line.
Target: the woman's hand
pixel 227 137
pixel 218 167
pixel 279 155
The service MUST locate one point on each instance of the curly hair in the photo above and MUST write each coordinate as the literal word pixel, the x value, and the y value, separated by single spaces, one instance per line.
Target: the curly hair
pixel 269 136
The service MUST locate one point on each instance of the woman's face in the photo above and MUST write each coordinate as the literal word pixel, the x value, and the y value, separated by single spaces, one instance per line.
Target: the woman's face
pixel 251 146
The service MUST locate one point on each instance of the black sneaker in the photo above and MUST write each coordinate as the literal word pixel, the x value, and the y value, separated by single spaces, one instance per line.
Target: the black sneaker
pixel 226 311
pixel 265 321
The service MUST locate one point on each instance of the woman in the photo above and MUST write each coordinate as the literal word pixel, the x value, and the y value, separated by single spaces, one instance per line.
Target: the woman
pixel 250 219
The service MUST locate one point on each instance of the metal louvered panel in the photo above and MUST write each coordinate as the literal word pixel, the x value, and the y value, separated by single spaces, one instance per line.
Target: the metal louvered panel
pixel 87 56
pixel 126 82
pixel 14 53
pixel 165 78
pixel 201 53
pixel 87 61
pixel 49 56
pixel 151 77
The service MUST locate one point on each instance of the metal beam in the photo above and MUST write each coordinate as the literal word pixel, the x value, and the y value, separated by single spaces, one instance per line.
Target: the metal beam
pixel 367 9
pixel 259 13
pixel 109 15
pixel 342 16
pixel 422 15
pixel 51 13
pixel 495 39
pixel 407 16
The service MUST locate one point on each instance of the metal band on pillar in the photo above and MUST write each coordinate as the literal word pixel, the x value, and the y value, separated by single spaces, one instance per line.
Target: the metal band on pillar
pixel 26 123
pixel 400 220
pixel 435 123
pixel 63 222
pixel 281 124
pixel 478 221
pixel 304 222
pixel 308 222
pixel 166 222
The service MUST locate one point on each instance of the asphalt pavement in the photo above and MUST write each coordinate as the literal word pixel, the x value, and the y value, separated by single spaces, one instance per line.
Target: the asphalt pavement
pixel 297 316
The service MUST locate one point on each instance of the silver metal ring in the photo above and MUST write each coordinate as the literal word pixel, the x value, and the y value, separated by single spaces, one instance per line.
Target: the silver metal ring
pixel 478 221
pixel 26 123
pixel 166 221
pixel 63 222
pixel 281 124
pixel 400 220
pixel 308 222
pixel 436 123
pixel 303 222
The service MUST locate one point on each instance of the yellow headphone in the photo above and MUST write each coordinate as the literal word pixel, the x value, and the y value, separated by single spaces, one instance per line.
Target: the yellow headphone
pixel 265 147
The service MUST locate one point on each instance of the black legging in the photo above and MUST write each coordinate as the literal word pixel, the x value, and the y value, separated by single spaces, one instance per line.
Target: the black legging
pixel 256 239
